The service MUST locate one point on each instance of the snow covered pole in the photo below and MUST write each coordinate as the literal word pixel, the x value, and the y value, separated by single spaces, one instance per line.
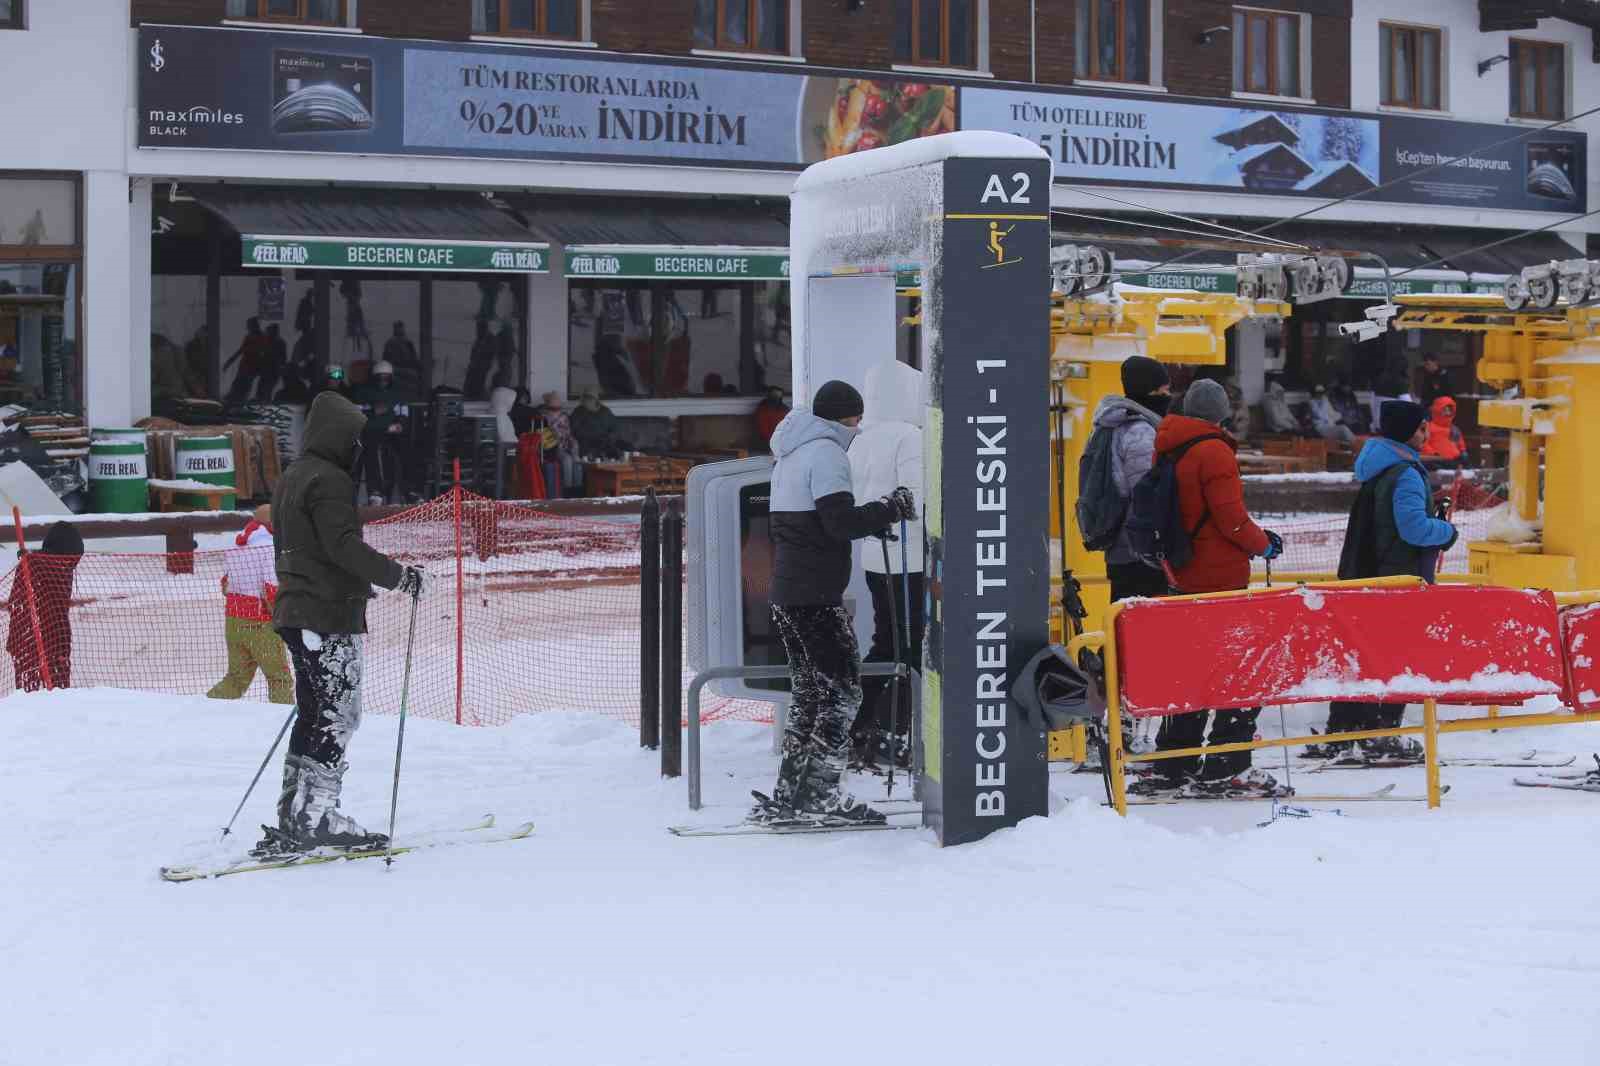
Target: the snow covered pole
pixel 899 650
pixel 672 641
pixel 400 739
pixel 650 621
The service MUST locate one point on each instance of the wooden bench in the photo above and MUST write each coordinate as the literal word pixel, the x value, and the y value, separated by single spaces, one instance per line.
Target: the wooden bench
pixel 163 494
pixel 631 479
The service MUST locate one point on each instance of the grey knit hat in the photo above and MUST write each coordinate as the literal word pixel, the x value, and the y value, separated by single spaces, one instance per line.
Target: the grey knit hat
pixel 1208 400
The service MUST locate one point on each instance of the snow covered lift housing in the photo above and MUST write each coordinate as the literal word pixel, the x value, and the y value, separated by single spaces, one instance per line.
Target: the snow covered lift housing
pixel 970 212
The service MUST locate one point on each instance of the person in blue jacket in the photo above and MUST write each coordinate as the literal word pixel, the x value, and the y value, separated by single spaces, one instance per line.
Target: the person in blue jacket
pixel 1392 531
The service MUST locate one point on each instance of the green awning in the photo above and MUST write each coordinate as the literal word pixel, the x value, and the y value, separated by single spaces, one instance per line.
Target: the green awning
pixel 374 229
pixel 696 262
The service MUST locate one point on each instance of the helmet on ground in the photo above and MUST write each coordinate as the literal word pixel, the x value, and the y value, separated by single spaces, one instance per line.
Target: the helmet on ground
pixel 1053 692
pixel 381 367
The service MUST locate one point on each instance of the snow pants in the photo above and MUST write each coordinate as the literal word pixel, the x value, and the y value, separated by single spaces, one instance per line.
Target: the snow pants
pixel 877 712
pixel 826 671
pixel 1136 579
pixel 1232 725
pixel 327 688
pixel 1347 717
pixel 253 644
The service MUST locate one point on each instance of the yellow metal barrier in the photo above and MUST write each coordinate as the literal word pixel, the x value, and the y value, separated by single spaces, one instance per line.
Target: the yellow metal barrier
pixel 1105 643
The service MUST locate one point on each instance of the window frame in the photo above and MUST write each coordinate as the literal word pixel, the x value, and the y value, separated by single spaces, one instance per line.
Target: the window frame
pixel 541 23
pixel 1092 53
pixel 1386 88
pixel 341 18
pixel 1241 45
pixel 919 59
pixel 1537 48
pixel 18 19
pixel 753 44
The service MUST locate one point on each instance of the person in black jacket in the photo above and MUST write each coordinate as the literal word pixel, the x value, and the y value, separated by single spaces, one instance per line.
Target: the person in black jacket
pixel 325 576
pixel 814 517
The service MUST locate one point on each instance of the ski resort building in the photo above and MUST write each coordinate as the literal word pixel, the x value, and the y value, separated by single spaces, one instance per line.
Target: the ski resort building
pixel 567 194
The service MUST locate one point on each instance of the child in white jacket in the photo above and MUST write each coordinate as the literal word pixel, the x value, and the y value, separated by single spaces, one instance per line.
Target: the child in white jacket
pixel 888 453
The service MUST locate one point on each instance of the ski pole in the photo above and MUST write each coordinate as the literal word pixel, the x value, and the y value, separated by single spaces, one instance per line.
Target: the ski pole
pixel 260 770
pixel 400 739
pixel 905 621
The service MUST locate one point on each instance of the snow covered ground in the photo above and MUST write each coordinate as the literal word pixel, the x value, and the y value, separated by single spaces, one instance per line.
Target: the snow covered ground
pixel 1183 934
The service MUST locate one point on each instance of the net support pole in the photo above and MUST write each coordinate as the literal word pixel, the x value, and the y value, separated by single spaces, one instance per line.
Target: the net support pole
pixel 650 621
pixel 25 574
pixel 672 641
pixel 461 621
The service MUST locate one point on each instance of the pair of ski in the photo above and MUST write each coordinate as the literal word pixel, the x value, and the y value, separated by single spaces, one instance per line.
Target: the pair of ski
pixel 481 832
pixel 1575 781
pixel 1378 795
pixel 778 825
pixel 1527 760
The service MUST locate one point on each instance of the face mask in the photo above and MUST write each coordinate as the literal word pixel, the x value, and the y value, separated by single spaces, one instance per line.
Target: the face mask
pixel 1156 404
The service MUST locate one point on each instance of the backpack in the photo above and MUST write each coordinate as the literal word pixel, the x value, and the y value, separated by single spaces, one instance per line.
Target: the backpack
pixel 1101 508
pixel 1155 522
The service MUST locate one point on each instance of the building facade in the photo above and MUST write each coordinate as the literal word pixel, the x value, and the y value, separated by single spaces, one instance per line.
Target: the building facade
pixel 567 194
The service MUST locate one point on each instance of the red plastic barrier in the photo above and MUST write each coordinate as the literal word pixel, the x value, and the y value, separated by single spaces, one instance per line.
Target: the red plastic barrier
pixel 1454 644
pixel 1580 640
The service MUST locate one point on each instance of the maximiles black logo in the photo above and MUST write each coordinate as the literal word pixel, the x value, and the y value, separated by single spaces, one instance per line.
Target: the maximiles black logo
pixel 165 122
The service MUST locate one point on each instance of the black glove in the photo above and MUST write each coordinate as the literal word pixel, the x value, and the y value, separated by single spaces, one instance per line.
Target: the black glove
pixel 1274 545
pixel 1455 535
pixel 410 582
pixel 901 504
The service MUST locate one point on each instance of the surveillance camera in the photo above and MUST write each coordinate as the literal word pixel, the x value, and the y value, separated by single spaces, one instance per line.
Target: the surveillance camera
pixel 1205 35
pixel 1360 331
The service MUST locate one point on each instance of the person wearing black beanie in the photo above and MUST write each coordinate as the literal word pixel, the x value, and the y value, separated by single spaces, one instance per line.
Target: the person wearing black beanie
pixel 814 519
pixel 1391 531
pixel 1125 428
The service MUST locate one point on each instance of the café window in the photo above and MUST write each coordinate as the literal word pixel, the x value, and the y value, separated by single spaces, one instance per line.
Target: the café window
pixel 742 25
pixel 11 14
pixel 935 33
pixel 1408 67
pixel 560 19
pixel 40 292
pixel 311 12
pixel 674 339
pixel 1538 80
pixel 1266 53
pixel 1114 40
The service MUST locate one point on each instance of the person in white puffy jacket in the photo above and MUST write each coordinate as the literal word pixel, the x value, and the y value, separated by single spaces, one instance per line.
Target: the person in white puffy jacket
pixel 886 454
pixel 249 587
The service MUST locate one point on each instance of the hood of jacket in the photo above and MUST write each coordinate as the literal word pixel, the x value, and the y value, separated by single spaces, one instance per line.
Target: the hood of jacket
pixel 332 428
pixel 800 427
pixel 254 535
pixel 1379 454
pixel 1115 411
pixel 1177 430
pixel 893 394
pixel 502 400
pixel 1444 411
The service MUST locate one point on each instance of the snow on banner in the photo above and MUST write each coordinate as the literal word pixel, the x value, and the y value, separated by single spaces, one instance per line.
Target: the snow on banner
pixel 523 611
pixel 1476 645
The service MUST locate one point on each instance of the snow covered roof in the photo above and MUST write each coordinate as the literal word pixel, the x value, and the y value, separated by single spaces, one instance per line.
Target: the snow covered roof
pixel 1337 168
pixel 1231 170
pixel 1253 127
pixel 967 144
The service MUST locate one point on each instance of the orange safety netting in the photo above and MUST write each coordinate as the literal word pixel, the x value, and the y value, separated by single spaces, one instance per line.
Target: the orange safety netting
pixel 522 611
pixel 1313 544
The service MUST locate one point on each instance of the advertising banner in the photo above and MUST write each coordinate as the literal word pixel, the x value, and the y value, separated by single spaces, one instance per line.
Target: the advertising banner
pixel 220 88
pixel 1230 147
pixel 353 253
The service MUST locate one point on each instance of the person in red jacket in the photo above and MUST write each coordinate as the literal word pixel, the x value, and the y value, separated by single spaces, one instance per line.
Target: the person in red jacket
pixel 769 413
pixel 1211 504
pixel 39 638
pixel 1444 439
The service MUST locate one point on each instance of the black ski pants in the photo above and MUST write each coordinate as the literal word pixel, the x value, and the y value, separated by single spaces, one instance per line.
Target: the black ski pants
pixel 1136 579
pixel 877 705
pixel 327 692
pixel 1230 726
pixel 1348 717
pixel 825 668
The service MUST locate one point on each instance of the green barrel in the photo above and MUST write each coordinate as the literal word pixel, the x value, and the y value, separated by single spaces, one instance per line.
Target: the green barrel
pixel 208 459
pixel 119 434
pixel 118 482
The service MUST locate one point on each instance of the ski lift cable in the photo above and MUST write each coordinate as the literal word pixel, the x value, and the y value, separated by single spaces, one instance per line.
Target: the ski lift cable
pixel 1268 243
pixel 1185 218
pixel 1412 176
pixel 1504 240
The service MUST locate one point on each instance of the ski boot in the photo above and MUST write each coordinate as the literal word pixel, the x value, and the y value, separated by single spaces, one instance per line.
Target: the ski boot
pixel 1155 785
pixel 1252 783
pixel 779 807
pixel 821 801
pixel 308 810
pixel 1328 750
pixel 1392 751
